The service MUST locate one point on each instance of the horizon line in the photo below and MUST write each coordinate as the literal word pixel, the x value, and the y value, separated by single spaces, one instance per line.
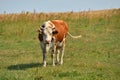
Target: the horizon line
pixel 34 11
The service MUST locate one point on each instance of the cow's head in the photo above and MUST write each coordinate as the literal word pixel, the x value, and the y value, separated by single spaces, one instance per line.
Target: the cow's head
pixel 48 31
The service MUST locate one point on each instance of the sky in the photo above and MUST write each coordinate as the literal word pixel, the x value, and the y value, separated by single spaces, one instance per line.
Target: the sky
pixel 17 6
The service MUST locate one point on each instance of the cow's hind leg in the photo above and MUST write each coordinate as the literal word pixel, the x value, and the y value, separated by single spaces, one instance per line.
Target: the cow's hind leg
pixel 57 56
pixel 62 52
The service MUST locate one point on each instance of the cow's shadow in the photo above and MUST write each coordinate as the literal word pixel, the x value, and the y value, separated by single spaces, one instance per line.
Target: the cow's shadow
pixel 23 66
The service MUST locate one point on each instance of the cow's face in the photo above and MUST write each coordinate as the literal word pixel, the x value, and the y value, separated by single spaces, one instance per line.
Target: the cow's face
pixel 47 30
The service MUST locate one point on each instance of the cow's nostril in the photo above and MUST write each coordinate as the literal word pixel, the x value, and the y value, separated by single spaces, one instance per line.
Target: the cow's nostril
pixel 48 41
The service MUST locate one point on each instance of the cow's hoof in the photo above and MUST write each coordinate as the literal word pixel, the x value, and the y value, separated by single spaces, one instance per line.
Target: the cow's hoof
pixel 53 64
pixel 44 65
pixel 61 63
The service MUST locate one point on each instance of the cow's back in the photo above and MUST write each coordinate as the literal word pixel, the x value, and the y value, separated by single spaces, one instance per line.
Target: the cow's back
pixel 62 29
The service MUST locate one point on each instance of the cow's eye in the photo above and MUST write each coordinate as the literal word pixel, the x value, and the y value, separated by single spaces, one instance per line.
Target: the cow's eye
pixel 43 26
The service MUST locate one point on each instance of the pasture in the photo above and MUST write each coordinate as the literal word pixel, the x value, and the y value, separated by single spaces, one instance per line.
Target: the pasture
pixel 95 56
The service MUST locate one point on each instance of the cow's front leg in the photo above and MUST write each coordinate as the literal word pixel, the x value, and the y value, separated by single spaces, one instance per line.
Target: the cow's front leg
pixel 45 51
pixel 43 47
pixel 52 56
pixel 44 59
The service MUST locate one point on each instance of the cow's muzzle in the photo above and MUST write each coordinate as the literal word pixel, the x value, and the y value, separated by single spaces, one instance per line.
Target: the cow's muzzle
pixel 47 41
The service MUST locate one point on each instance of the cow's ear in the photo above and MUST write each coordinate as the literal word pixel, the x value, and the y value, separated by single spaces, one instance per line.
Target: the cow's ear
pixel 54 31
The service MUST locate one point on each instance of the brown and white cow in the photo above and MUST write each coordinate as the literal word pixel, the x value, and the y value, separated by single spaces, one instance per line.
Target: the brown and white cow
pixel 52 36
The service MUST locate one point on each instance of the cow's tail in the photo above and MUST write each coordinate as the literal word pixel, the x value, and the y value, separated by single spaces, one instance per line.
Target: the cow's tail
pixel 74 36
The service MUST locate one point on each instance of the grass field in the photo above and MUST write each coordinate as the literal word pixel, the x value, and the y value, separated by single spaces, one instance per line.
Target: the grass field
pixel 95 56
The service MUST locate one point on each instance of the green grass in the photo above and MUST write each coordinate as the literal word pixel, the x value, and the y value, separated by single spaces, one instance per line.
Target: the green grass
pixel 95 56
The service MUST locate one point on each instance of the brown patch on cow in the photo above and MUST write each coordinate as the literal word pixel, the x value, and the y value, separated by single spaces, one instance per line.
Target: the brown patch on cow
pixel 62 29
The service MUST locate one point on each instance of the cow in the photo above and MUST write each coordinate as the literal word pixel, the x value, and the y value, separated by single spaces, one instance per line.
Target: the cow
pixel 52 36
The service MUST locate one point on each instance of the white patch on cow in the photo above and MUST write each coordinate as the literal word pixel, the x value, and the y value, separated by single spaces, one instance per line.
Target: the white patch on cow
pixel 49 22
pixel 47 30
